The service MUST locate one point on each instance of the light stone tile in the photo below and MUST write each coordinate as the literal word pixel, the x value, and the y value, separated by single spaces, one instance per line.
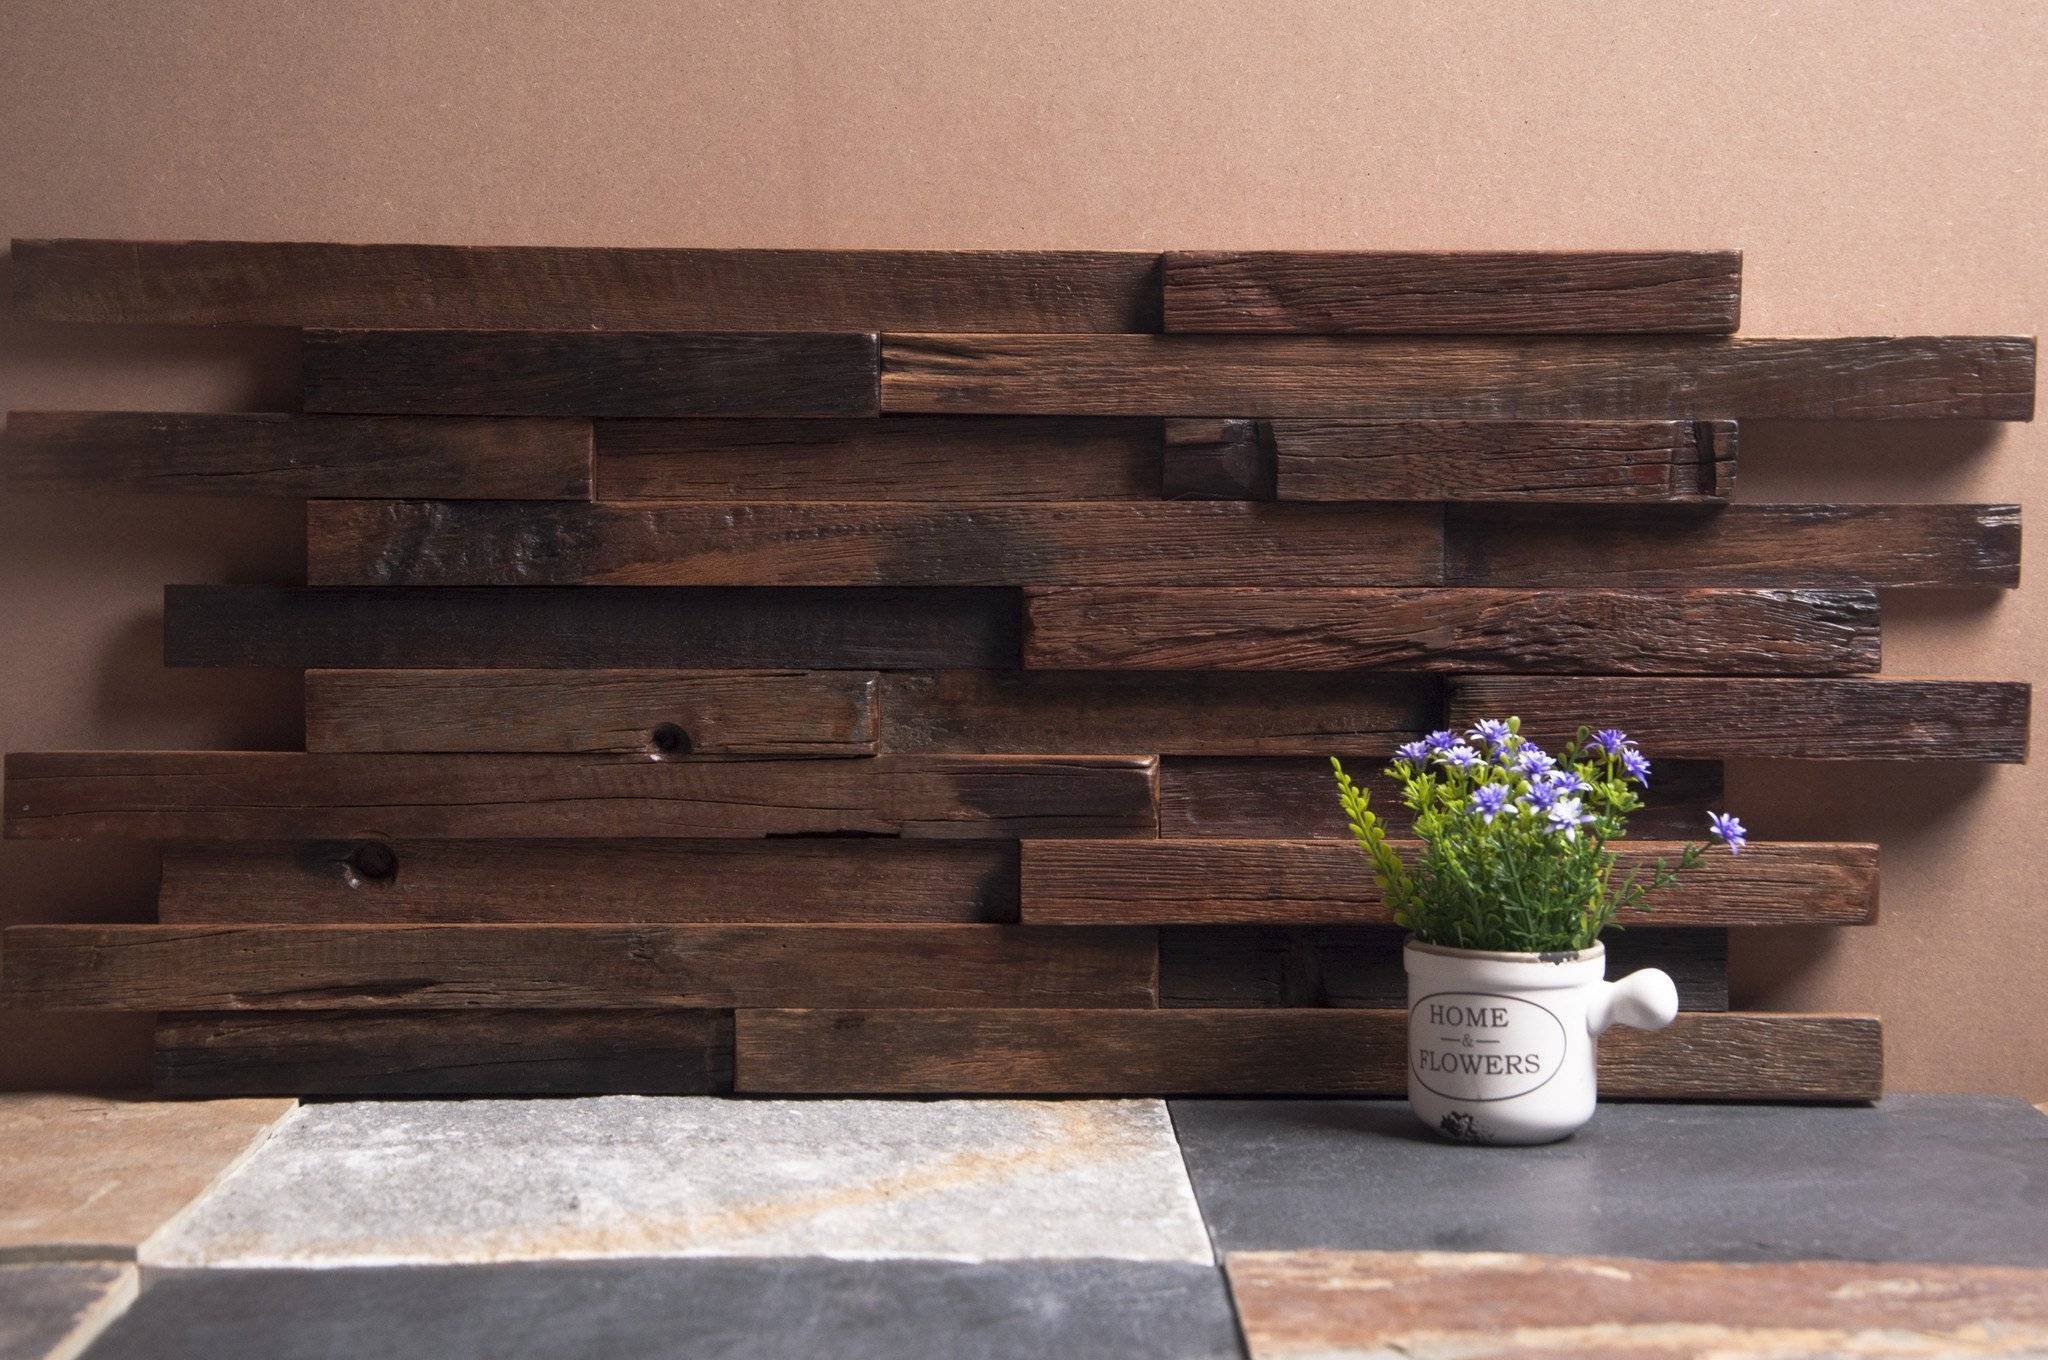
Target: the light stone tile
pixel 52 1312
pixel 617 1176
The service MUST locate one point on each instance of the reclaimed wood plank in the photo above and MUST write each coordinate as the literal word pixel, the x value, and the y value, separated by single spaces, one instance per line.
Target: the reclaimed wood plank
pixel 324 284
pixel 287 795
pixel 1309 1052
pixel 1545 461
pixel 1451 292
pixel 570 967
pixel 590 373
pixel 660 713
pixel 1854 719
pixel 1216 460
pixel 1601 378
pixel 1630 632
pixel 300 627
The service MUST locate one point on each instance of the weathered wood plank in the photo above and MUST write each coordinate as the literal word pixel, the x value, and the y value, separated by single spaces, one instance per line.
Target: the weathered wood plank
pixel 588 629
pixel 439 1053
pixel 662 713
pixel 1855 719
pixel 1608 378
pixel 1201 713
pixel 1216 460
pixel 658 543
pixel 1328 882
pixel 1630 632
pixel 1547 461
pixel 214 454
pixel 590 373
pixel 895 458
pixel 321 284
pixel 1704 1056
pixel 570 967
pixel 1447 292
pixel 1808 546
pixel 286 795
pixel 826 881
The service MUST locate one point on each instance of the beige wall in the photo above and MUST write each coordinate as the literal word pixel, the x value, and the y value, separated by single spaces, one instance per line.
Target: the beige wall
pixel 1880 163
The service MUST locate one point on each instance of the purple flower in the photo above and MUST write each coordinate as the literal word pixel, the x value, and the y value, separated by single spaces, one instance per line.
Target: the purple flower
pixel 1725 826
pixel 1565 781
pixel 1440 740
pixel 1566 818
pixel 1489 732
pixel 1612 740
pixel 1459 757
pixel 1635 766
pixel 1541 795
pixel 1530 760
pixel 1413 751
pixel 1488 801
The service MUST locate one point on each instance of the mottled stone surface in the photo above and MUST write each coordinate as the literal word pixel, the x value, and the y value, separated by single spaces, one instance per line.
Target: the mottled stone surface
pixel 84 1177
pixel 51 1312
pixel 1960 1179
pixel 690 1310
pixel 474 1181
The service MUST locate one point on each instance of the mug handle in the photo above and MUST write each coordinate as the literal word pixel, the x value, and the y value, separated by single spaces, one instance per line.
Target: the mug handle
pixel 1645 999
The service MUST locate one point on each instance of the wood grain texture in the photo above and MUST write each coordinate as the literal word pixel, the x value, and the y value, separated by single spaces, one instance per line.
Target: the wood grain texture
pixel 1547 461
pixel 1810 546
pixel 1216 460
pixel 590 373
pixel 570 967
pixel 1310 1052
pixel 1328 882
pixel 656 713
pixel 895 458
pixel 283 795
pixel 1608 378
pixel 583 629
pixel 1633 632
pixel 320 284
pixel 439 1053
pixel 1423 292
pixel 480 543
pixel 1856 719
pixel 1198 712
pixel 213 454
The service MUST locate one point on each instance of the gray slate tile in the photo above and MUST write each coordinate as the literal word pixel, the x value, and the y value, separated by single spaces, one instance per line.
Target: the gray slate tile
pixel 50 1312
pixel 1959 1179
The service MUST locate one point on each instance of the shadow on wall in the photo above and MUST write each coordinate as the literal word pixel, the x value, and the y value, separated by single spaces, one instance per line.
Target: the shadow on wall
pixel 1911 460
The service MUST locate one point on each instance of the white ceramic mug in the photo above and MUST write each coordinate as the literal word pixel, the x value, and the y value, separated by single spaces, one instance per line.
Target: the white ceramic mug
pixel 1501 1046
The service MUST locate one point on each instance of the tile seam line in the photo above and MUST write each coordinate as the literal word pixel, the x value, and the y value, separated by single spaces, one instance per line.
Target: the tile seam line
pixel 146 1267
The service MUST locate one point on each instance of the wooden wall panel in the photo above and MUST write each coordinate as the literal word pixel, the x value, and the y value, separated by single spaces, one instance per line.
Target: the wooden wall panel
pixel 1216 460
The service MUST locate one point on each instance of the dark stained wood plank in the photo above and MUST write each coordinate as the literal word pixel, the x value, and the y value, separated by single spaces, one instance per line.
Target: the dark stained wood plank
pixel 1310 1052
pixel 321 284
pixel 1447 292
pixel 570 967
pixel 659 543
pixel 1202 713
pixel 1810 546
pixel 1216 460
pixel 894 458
pixel 825 881
pixel 1856 719
pixel 1606 378
pixel 590 373
pixel 1546 461
pixel 1633 632
pixel 588 629
pixel 1328 882
pixel 439 1053
pixel 659 713
pixel 285 795
pixel 214 454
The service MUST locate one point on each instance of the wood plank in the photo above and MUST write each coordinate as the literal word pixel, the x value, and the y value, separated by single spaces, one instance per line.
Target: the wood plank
pixel 826 881
pixel 1630 632
pixel 1855 719
pixel 1548 461
pixel 1809 546
pixel 583 629
pixel 1509 1306
pixel 287 795
pixel 1450 292
pixel 662 713
pixel 1328 882
pixel 662 543
pixel 324 284
pixel 1216 460
pixel 1317 1052
pixel 439 1053
pixel 894 458
pixel 267 454
pixel 1607 378
pixel 570 967
pixel 590 373
pixel 1203 713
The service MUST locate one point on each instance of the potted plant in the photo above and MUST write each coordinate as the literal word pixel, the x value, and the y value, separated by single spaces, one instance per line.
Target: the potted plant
pixel 1504 905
